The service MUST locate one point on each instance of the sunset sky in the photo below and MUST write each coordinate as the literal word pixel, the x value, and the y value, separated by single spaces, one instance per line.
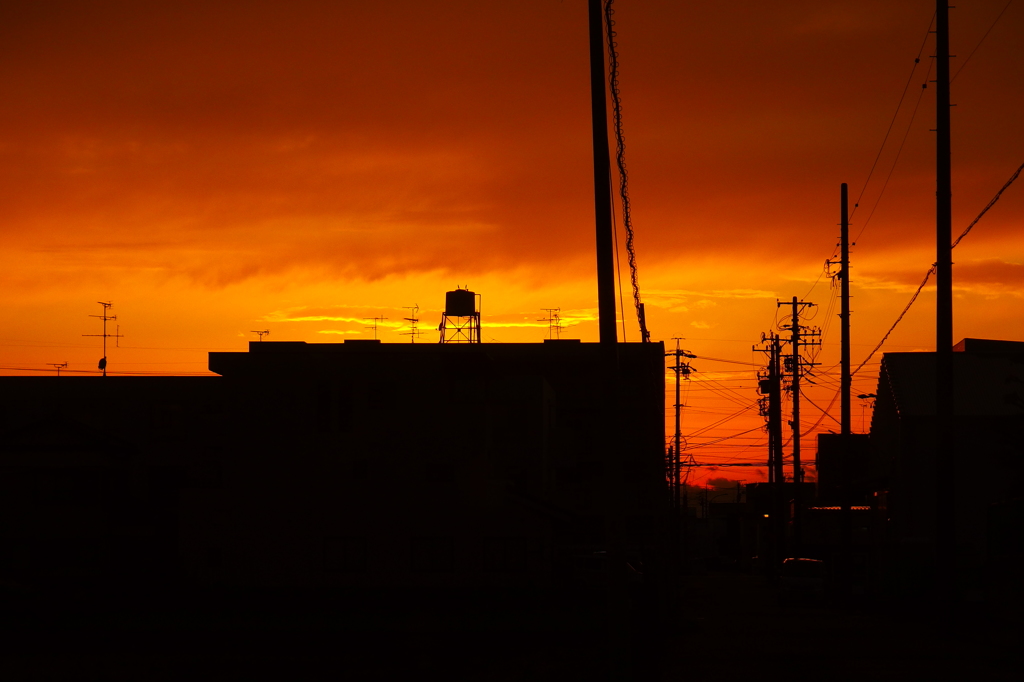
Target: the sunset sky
pixel 214 168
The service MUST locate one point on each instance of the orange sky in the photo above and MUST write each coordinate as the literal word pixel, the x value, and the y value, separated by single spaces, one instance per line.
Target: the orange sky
pixel 215 168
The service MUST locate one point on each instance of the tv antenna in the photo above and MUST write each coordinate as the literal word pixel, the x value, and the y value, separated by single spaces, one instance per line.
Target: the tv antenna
pixel 414 332
pixel 105 317
pixel 376 321
pixel 58 366
pixel 261 334
pixel 554 322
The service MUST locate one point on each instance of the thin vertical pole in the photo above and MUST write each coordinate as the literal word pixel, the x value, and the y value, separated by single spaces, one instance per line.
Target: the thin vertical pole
pixel 778 514
pixel 795 359
pixel 945 433
pixel 104 341
pixel 798 474
pixel 602 178
pixel 678 433
pixel 847 379
pixel 775 410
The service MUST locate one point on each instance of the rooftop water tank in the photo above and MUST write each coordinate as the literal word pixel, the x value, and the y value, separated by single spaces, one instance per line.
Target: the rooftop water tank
pixel 460 303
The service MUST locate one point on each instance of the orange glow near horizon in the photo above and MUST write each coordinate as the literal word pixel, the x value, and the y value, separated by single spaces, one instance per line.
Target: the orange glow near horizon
pixel 303 168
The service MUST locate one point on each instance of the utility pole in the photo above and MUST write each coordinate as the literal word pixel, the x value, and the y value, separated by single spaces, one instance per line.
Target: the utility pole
pixel 845 390
pixel 795 365
pixel 945 434
pixel 675 465
pixel 770 385
pixel 106 308
pixel 846 381
pixel 602 177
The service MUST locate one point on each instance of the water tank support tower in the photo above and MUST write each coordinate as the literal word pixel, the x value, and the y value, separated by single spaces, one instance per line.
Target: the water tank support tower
pixel 460 322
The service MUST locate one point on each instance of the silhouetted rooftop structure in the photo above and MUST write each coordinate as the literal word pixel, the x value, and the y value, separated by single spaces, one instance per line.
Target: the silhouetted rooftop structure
pixel 351 465
pixel 988 382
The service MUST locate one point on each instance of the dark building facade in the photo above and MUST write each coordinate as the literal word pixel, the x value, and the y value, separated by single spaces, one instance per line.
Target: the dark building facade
pixel 983 491
pixel 322 466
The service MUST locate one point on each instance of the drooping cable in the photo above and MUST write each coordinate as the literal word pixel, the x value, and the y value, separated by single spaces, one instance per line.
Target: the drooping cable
pixel 620 160
pixel 931 271
pixel 910 78
pixel 964 62
pixel 990 205
pixel 896 159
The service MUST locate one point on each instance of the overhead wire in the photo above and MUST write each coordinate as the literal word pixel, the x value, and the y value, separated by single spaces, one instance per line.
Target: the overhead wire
pixel 964 62
pixel 620 161
pixel 896 159
pixel 931 270
pixel 910 78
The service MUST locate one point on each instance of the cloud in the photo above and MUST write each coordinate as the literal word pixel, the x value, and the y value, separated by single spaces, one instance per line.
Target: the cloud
pixel 991 276
pixel 659 296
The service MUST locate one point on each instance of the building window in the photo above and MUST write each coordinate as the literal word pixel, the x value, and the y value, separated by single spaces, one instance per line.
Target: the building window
pixel 345 555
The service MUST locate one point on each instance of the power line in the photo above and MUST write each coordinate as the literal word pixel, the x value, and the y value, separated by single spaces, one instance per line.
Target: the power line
pixel 989 205
pixel 931 270
pixel 620 160
pixel 917 60
pixel 964 62
pixel 899 151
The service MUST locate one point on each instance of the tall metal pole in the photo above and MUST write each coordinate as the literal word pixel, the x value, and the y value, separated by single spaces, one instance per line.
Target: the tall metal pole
pixel 945 433
pixel 846 380
pixel 602 178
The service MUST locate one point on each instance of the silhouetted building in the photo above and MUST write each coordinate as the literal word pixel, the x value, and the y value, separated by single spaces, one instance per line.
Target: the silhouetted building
pixel 842 468
pixel 358 464
pixel 988 383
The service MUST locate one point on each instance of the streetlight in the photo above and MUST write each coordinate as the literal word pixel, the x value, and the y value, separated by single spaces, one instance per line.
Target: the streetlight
pixel 865 397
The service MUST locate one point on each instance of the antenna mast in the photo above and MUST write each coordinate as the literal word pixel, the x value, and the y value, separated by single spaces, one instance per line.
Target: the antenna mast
pixel 554 321
pixel 414 331
pixel 376 321
pixel 117 335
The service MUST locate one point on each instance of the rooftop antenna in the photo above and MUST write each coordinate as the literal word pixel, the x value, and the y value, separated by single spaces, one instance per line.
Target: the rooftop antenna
pixel 261 334
pixel 414 332
pixel 106 308
pixel 58 366
pixel 554 321
pixel 376 321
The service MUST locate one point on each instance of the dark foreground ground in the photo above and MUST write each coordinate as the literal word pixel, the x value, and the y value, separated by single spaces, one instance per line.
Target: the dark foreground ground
pixel 729 626
pixel 739 630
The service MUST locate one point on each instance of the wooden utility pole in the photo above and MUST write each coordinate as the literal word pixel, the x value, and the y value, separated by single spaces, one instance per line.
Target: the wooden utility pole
pixel 846 387
pixel 771 386
pixel 602 178
pixel 846 381
pixel 796 365
pixel 945 435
